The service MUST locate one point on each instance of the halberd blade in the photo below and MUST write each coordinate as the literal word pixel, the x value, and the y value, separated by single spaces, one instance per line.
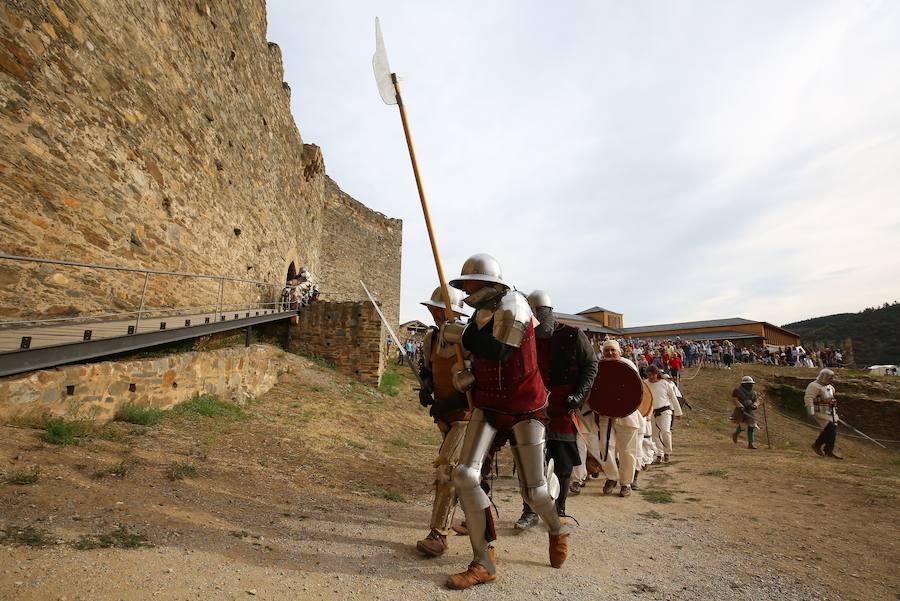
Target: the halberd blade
pixel 382 68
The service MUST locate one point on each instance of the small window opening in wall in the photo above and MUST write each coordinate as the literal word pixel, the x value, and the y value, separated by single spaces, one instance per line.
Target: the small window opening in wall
pixel 70 390
pixel 222 318
pixel 237 231
pixel 174 384
pixel 231 56
pixel 132 387
pixel 235 316
pixel 187 322
pixel 265 123
pixel 87 335
pixel 130 330
pixel 162 325
pixel 206 320
pixel 25 343
pixel 248 314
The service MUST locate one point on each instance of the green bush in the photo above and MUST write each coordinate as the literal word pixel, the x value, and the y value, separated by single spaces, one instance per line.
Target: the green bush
pixel 181 470
pixel 62 432
pixel 136 414
pixel 208 405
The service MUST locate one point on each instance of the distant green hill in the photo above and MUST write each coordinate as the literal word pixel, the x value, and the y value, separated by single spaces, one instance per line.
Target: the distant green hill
pixel 875 332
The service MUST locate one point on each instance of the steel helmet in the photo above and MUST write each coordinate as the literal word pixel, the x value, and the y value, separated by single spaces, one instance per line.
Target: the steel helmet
pixel 480 268
pixel 747 380
pixel 539 298
pixel 456 297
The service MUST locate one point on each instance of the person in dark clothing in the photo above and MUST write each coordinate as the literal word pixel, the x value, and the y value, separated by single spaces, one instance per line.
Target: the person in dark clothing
pixel 745 405
pixel 568 367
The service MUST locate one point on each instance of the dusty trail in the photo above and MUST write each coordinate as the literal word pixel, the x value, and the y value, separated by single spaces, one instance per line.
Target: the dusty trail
pixel 293 503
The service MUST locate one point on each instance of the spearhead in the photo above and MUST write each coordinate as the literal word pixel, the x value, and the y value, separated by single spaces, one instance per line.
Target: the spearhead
pixel 382 68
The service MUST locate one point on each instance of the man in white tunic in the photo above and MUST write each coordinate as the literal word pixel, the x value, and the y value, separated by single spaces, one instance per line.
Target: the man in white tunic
pixel 821 409
pixel 619 438
pixel 665 409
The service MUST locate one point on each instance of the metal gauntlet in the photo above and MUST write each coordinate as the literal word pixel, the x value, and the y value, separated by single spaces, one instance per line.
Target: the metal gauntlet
pixel 451 332
pixel 463 378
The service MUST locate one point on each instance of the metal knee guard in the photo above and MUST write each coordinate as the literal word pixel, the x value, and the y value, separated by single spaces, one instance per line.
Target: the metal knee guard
pixel 536 480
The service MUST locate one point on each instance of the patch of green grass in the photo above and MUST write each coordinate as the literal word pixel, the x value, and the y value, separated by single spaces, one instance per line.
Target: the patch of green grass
pixel 24 476
pixel 657 496
pixel 119 470
pixel 653 515
pixel 136 414
pixel 322 361
pixel 264 461
pixel 357 444
pixel 693 499
pixel 63 432
pixel 389 494
pixel 390 381
pixel 716 473
pixel 120 538
pixel 639 587
pixel 27 536
pixel 208 405
pixel 181 470
pixel 400 443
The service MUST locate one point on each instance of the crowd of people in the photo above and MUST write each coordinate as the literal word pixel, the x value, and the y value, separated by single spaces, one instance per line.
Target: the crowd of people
pixel 299 292
pixel 675 355
pixel 513 374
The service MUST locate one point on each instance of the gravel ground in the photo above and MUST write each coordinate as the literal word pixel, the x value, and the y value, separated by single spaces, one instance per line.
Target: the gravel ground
pixel 625 549
pixel 295 502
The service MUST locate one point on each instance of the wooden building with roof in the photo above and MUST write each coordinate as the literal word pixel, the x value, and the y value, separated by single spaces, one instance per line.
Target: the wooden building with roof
pixel 598 322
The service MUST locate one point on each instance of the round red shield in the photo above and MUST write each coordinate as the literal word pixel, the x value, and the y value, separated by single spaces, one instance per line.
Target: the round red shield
pixel 617 389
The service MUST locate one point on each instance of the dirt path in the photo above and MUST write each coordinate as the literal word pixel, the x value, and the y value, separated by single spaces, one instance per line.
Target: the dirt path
pixel 322 491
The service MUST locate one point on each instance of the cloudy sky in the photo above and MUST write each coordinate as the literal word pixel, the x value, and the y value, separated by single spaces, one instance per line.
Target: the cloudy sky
pixel 669 160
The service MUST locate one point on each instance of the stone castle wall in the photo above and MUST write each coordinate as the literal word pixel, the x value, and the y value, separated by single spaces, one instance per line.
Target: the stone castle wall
pixel 375 258
pixel 349 334
pixel 96 390
pixel 158 134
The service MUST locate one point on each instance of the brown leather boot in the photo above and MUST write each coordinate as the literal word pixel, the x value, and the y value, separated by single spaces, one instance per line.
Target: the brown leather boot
pixel 433 545
pixel 475 574
pixel 559 549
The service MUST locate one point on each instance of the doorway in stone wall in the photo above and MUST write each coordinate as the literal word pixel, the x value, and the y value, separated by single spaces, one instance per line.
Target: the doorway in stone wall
pixel 291 273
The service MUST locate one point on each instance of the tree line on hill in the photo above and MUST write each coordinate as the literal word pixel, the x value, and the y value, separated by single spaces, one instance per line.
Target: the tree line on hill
pixel 875 332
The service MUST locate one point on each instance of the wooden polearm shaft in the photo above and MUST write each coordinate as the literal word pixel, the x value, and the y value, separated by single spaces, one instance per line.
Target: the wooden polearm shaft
pixel 445 292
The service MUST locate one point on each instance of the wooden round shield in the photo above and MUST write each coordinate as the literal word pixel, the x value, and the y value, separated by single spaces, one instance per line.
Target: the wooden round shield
pixel 617 389
pixel 646 400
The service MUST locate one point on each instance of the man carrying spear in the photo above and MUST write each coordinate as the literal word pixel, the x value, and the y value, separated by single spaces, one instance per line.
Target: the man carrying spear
pixel 509 396
pixel 509 399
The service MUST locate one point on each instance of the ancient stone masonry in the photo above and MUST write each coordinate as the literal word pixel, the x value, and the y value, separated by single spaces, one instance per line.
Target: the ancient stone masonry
pixel 96 390
pixel 158 134
pixel 349 335
pixel 375 258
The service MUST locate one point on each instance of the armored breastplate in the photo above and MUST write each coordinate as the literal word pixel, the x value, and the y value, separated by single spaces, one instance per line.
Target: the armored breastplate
pixel 513 385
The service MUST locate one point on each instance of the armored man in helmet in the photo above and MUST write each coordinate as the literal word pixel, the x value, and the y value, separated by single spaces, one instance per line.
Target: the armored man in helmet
pixel 568 366
pixel 509 396
pixel 450 411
